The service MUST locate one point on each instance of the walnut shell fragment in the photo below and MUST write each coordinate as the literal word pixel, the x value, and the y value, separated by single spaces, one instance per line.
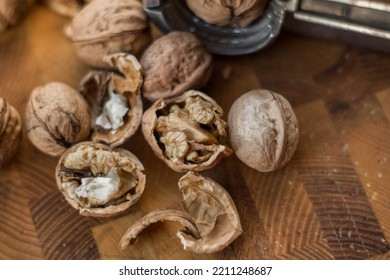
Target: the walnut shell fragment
pixel 115 99
pixel 237 13
pixel 10 132
pixel 98 180
pixel 205 204
pixel 187 132
pixel 263 130
pixel 11 11
pixel 173 64
pixel 105 27
pixel 68 8
pixel 57 116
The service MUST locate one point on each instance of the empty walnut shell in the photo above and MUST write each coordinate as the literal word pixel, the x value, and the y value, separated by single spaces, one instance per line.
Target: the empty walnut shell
pixel 66 7
pixel 238 13
pixel 11 11
pixel 98 180
pixel 115 99
pixel 10 132
pixel 209 217
pixel 173 64
pixel 106 27
pixel 57 116
pixel 187 132
pixel 263 130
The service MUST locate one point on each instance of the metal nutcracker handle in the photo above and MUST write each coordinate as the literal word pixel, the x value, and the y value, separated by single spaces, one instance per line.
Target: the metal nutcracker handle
pixel 171 15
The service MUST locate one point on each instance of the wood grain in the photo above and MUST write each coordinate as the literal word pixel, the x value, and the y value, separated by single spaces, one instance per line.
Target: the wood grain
pixel 330 202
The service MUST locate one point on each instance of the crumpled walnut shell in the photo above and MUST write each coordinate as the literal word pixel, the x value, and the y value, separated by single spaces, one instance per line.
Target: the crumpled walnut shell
pixel 209 217
pixel 237 13
pixel 173 64
pixel 68 8
pixel 98 85
pixel 263 130
pixel 98 180
pixel 11 11
pixel 105 27
pixel 10 132
pixel 187 132
pixel 57 116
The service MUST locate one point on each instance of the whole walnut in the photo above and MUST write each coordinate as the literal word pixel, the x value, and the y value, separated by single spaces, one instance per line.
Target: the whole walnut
pixel 11 11
pixel 106 27
pixel 237 13
pixel 10 132
pixel 173 64
pixel 57 116
pixel 263 130
pixel 67 7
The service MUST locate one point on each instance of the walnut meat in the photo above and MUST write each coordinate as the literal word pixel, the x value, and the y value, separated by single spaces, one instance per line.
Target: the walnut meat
pixel 67 7
pixel 115 99
pixel 173 64
pixel 10 132
pixel 187 132
pixel 98 180
pixel 106 27
pixel 11 11
pixel 238 13
pixel 57 116
pixel 263 130
pixel 209 217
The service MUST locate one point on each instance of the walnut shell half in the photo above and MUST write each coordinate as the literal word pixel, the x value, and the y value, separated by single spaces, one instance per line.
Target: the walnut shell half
pixel 115 99
pixel 207 206
pixel 10 132
pixel 187 132
pixel 98 180
pixel 11 11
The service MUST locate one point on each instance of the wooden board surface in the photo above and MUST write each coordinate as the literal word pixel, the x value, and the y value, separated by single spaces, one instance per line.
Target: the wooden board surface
pixel 332 201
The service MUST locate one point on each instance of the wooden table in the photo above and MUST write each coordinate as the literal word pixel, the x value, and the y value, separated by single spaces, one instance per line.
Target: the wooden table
pixel 332 201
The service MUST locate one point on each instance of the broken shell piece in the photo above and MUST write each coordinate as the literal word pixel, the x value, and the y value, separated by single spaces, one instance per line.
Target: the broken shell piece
pixel 187 131
pixel 207 205
pixel 115 99
pixel 68 8
pixel 98 180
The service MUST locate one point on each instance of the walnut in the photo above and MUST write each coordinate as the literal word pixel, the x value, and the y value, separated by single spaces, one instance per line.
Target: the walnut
pixel 173 64
pixel 57 116
pixel 11 11
pixel 10 132
pixel 237 13
pixel 209 217
pixel 66 7
pixel 98 180
pixel 106 27
pixel 263 130
pixel 115 99
pixel 187 132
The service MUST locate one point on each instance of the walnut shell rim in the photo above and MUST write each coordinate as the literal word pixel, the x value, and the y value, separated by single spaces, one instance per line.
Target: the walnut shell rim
pixel 110 210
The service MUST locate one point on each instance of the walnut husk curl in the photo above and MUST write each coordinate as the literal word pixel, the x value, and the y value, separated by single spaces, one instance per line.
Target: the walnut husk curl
pixel 263 130
pixel 11 11
pixel 98 180
pixel 209 217
pixel 236 13
pixel 57 117
pixel 115 99
pixel 187 132
pixel 10 132
pixel 173 64
pixel 105 27
pixel 68 8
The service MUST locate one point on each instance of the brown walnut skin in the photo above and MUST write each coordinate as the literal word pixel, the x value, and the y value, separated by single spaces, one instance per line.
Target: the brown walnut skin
pixel 212 141
pixel 68 8
pixel 121 159
pixel 236 13
pixel 173 64
pixel 57 117
pixel 105 27
pixel 263 130
pixel 10 132
pixel 11 11
pixel 95 87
